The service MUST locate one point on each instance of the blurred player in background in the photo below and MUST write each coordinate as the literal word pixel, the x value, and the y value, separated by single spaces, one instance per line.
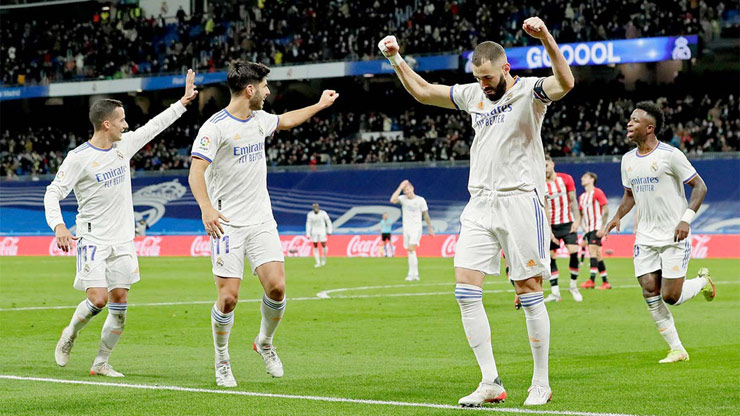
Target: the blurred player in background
pixel 228 178
pixel 385 235
pixel 594 208
pixel 653 176
pixel 318 226
pixel 413 208
pixel 506 185
pixel 107 266
pixel 562 210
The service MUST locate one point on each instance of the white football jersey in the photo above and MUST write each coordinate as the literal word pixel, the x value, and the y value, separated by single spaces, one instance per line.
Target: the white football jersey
pixel 236 178
pixel 318 223
pixel 101 180
pixel 507 152
pixel 412 210
pixel 656 181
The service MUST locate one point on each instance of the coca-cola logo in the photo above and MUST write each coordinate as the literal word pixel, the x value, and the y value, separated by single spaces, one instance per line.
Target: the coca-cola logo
pixel 56 251
pixel 700 247
pixel 148 246
pixel 201 246
pixel 298 246
pixel 9 246
pixel 358 247
pixel 449 246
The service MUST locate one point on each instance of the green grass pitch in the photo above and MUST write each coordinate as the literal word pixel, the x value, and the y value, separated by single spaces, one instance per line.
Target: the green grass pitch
pixel 403 342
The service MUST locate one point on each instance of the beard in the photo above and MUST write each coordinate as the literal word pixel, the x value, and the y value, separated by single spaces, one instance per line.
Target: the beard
pixel 256 103
pixel 497 91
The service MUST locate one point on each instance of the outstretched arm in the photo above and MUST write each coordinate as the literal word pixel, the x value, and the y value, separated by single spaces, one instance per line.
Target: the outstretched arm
pixel 562 81
pixel 418 87
pixel 397 192
pixel 625 206
pixel 297 117
pixel 698 192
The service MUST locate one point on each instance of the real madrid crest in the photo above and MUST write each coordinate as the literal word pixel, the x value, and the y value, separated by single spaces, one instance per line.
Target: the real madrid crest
pixel 119 154
pixel 654 166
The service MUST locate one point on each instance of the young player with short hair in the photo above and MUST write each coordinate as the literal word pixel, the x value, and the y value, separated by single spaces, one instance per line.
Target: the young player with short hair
pixel 413 208
pixel 594 208
pixel 228 178
pixel 318 226
pixel 653 176
pixel 385 235
pixel 99 173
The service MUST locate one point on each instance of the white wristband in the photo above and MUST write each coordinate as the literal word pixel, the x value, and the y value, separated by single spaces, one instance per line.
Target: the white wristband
pixel 396 59
pixel 688 216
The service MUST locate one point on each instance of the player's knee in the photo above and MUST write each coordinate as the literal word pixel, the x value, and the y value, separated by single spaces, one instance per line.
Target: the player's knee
pixel 276 292
pixel 229 300
pixel 99 301
pixel 671 298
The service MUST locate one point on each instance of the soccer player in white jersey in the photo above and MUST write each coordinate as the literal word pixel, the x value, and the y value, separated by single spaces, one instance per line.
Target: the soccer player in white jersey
pixel 228 178
pixel 413 209
pixel 594 208
pixel 318 226
pixel 98 171
pixel 507 185
pixel 653 176
pixel 564 217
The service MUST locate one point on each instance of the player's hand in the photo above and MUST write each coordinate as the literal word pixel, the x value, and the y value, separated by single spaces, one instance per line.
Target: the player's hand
pixel 431 232
pixel 403 183
pixel 613 224
pixel 190 91
pixel 554 240
pixel 327 98
pixel 388 46
pixel 599 233
pixel 535 27
pixel 64 237
pixel 211 221
pixel 574 228
pixel 682 231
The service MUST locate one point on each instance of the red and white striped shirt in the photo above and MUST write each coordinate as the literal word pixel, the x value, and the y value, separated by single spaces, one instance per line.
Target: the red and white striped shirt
pixel 557 201
pixel 591 205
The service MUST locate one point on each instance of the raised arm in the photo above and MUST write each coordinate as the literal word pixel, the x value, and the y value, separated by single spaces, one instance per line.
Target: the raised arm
pixel 625 206
pixel 197 181
pixel 397 192
pixel 418 87
pixel 132 141
pixel 297 117
pixel 698 192
pixel 562 81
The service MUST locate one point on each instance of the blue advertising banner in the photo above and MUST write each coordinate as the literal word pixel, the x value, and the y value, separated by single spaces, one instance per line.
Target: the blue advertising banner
pixel 177 81
pixel 382 66
pixel 16 93
pixel 602 53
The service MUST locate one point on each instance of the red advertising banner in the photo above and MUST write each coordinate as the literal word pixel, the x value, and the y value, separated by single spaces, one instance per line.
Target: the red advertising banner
pixel 704 246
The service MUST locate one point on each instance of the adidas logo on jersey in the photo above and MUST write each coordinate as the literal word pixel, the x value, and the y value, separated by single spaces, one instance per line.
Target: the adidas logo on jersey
pixel 531 263
pixel 95 164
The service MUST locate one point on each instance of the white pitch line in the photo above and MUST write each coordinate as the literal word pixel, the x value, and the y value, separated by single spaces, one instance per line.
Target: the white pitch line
pixel 319 296
pixel 302 397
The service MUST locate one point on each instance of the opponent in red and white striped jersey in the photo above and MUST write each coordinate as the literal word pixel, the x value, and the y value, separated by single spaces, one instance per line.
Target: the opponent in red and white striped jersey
pixel 560 196
pixel 591 204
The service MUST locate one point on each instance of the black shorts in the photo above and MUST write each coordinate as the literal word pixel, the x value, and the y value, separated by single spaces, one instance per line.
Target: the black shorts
pixel 592 238
pixel 385 236
pixel 562 232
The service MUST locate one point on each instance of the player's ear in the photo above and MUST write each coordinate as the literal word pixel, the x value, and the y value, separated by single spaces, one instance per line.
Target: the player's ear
pixel 250 90
pixel 506 67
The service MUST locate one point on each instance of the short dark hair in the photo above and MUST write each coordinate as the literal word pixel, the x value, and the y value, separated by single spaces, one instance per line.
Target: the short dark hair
pixel 487 51
pixel 653 111
pixel 242 73
pixel 593 175
pixel 101 111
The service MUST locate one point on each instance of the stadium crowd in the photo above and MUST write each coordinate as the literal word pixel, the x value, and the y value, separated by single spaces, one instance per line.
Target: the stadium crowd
pixel 123 42
pixel 576 128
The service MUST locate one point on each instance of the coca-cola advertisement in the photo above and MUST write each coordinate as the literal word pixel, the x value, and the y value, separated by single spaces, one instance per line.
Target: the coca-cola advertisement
pixel 355 245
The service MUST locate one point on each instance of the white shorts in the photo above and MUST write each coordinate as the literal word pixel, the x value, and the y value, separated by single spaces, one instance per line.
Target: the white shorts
pixel 317 236
pixel 672 260
pixel 512 221
pixel 411 237
pixel 259 243
pixel 112 267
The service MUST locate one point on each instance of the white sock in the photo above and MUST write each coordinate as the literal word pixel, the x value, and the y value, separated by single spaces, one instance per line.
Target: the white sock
pixel 555 290
pixel 538 329
pixel 221 324
pixel 691 288
pixel 272 313
pixel 413 264
pixel 664 321
pixel 83 314
pixel 316 255
pixel 477 329
pixel 112 330
pixel 326 251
